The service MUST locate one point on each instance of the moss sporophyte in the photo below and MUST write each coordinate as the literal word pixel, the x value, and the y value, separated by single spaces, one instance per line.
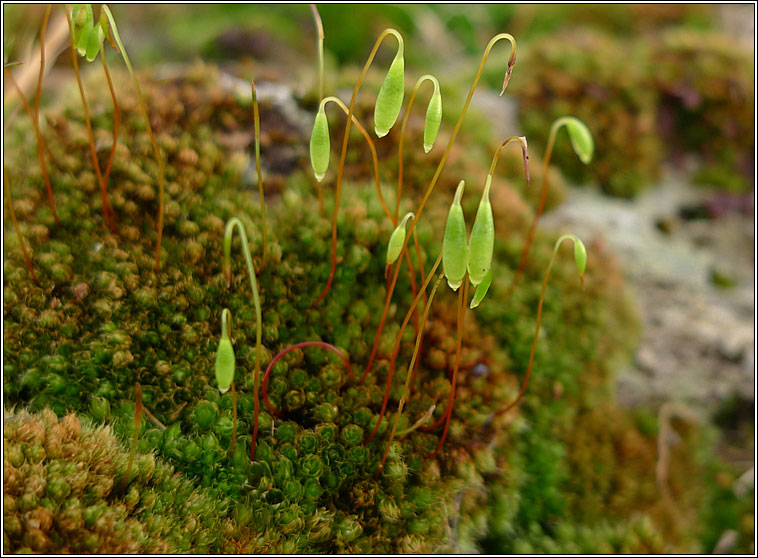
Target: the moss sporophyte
pixel 314 436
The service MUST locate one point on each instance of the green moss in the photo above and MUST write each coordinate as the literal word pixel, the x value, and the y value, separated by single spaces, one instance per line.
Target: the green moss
pixel 101 321
pixel 70 499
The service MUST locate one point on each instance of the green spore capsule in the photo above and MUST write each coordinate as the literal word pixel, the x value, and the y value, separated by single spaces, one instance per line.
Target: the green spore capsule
pixel 224 355
pixel 320 143
pixel 580 254
pixel 482 241
pixel 94 42
pixel 433 116
pixel 454 246
pixel 397 239
pixel 581 138
pixel 481 290
pixel 85 23
pixel 390 96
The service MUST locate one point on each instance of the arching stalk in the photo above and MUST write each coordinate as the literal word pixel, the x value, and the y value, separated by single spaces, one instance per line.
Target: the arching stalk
pixel 228 232
pixel 581 140
pixel 88 122
pixel 375 159
pixel 257 126
pixel 320 37
pixel 12 211
pixel 578 251
pixel 411 366
pixel 343 155
pixel 116 125
pixel 372 148
pixel 43 31
pixel 524 152
pixel 441 165
pixel 401 142
pixel 158 156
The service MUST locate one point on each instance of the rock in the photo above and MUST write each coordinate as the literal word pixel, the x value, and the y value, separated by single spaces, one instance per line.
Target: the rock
pixel 697 337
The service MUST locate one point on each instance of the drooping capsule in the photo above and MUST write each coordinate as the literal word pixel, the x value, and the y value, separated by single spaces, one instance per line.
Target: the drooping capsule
pixel 389 100
pixel 454 245
pixel 481 290
pixel 94 42
pixel 224 355
pixel 580 258
pixel 320 144
pixel 580 253
pixel 84 23
pixel 581 138
pixel 397 239
pixel 482 240
pixel 433 116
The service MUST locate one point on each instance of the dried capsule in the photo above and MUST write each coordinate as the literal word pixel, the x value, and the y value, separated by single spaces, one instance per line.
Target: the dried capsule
pixel 390 96
pixel 224 355
pixel 454 245
pixel 397 239
pixel 482 240
pixel 320 143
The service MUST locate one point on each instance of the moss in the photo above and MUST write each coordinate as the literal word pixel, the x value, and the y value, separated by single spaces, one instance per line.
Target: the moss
pixel 70 499
pixel 612 93
pixel 101 320
pixel 651 98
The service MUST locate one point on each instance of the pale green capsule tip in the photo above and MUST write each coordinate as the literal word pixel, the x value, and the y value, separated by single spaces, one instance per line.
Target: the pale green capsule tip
pixel 581 139
pixel 455 285
pixel 404 221
pixel 481 290
pixel 428 147
pixel 459 192
pixel 319 175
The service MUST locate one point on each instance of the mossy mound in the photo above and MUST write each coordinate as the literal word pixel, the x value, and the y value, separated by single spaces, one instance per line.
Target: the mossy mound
pixel 609 92
pixel 650 98
pixel 101 320
pixel 707 107
pixel 62 486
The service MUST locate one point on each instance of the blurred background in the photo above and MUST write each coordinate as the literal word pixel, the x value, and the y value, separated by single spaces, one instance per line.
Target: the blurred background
pixel 667 90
